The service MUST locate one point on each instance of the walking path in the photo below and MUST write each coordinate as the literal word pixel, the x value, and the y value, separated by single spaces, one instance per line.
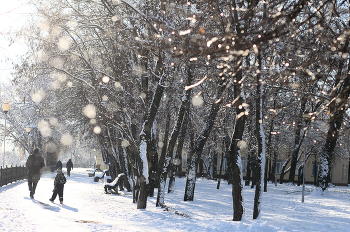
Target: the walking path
pixel 86 208
pixel 82 210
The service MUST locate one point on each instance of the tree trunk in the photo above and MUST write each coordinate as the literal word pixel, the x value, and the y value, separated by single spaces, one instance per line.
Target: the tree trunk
pixel 249 169
pixel 315 168
pixel 152 156
pixel 180 143
pixel 161 162
pixel 171 145
pixel 268 159
pixel 142 200
pixel 126 170
pixel 215 163
pixel 274 163
pixel 297 140
pixel 337 108
pixel 261 145
pixel 196 151
pixel 134 165
pixel 283 172
pixel 145 137
pixel 235 150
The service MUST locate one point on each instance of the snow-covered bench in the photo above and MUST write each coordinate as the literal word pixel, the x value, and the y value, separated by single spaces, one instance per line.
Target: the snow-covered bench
pixel 91 174
pixel 100 176
pixel 113 186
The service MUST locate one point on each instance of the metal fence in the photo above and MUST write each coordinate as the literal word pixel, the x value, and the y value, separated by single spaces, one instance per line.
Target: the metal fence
pixel 12 174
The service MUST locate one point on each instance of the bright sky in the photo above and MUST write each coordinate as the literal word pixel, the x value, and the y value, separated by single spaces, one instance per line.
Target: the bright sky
pixel 12 16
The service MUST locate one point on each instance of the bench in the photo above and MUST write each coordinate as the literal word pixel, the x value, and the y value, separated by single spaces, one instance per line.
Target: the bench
pixel 99 177
pixel 112 186
pixel 91 174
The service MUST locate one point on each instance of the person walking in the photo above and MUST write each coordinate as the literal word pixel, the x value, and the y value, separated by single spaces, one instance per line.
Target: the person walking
pixel 59 182
pixel 34 164
pixel 58 164
pixel 69 166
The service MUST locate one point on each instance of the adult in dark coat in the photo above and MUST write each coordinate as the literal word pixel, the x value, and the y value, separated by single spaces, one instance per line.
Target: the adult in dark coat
pixel 34 164
pixel 59 164
pixel 69 166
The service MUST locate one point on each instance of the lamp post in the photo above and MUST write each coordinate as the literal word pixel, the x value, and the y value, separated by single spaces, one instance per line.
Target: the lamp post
pixel 5 108
pixel 28 129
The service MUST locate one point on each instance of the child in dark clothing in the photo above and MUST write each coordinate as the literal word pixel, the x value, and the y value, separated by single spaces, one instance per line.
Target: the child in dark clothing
pixel 60 180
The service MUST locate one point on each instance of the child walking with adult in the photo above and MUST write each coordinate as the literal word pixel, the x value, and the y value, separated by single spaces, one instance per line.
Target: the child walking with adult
pixel 59 182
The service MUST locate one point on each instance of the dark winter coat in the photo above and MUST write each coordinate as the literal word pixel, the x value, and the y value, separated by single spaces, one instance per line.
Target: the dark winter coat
pixel 60 179
pixel 69 165
pixel 59 164
pixel 34 164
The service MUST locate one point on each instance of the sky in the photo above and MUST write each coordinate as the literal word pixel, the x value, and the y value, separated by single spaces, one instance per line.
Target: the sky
pixel 13 14
pixel 86 208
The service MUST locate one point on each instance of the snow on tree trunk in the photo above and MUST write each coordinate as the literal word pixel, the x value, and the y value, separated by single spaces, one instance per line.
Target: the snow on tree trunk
pixel 234 153
pixel 144 137
pixel 143 156
pixel 197 149
pixel 323 169
pixel 191 180
pixel 261 146
pixel 337 108
pixel 162 182
pixel 142 201
pixel 185 104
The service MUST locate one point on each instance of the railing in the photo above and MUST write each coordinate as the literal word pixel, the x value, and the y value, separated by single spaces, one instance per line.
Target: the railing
pixel 12 174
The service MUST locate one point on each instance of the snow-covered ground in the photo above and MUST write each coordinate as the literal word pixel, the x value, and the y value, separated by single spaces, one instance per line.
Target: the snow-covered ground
pixel 87 208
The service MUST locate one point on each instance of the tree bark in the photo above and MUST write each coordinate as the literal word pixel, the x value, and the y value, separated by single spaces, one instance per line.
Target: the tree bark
pixel 337 108
pixel 196 151
pixel 297 140
pixel 145 137
pixel 234 153
pixel 180 143
pixel 152 156
pixel 171 145
pixel 162 159
pixel 261 145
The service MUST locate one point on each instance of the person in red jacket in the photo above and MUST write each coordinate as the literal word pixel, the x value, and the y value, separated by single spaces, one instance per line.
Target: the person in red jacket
pixel 34 164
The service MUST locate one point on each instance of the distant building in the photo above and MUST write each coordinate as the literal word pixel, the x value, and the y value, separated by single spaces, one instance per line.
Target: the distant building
pixel 339 172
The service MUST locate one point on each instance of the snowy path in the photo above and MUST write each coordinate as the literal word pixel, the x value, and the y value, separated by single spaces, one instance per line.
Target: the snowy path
pixel 87 208
pixel 84 201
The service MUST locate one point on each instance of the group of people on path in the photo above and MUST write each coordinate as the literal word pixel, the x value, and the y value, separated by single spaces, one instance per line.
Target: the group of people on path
pixel 69 166
pixel 35 163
